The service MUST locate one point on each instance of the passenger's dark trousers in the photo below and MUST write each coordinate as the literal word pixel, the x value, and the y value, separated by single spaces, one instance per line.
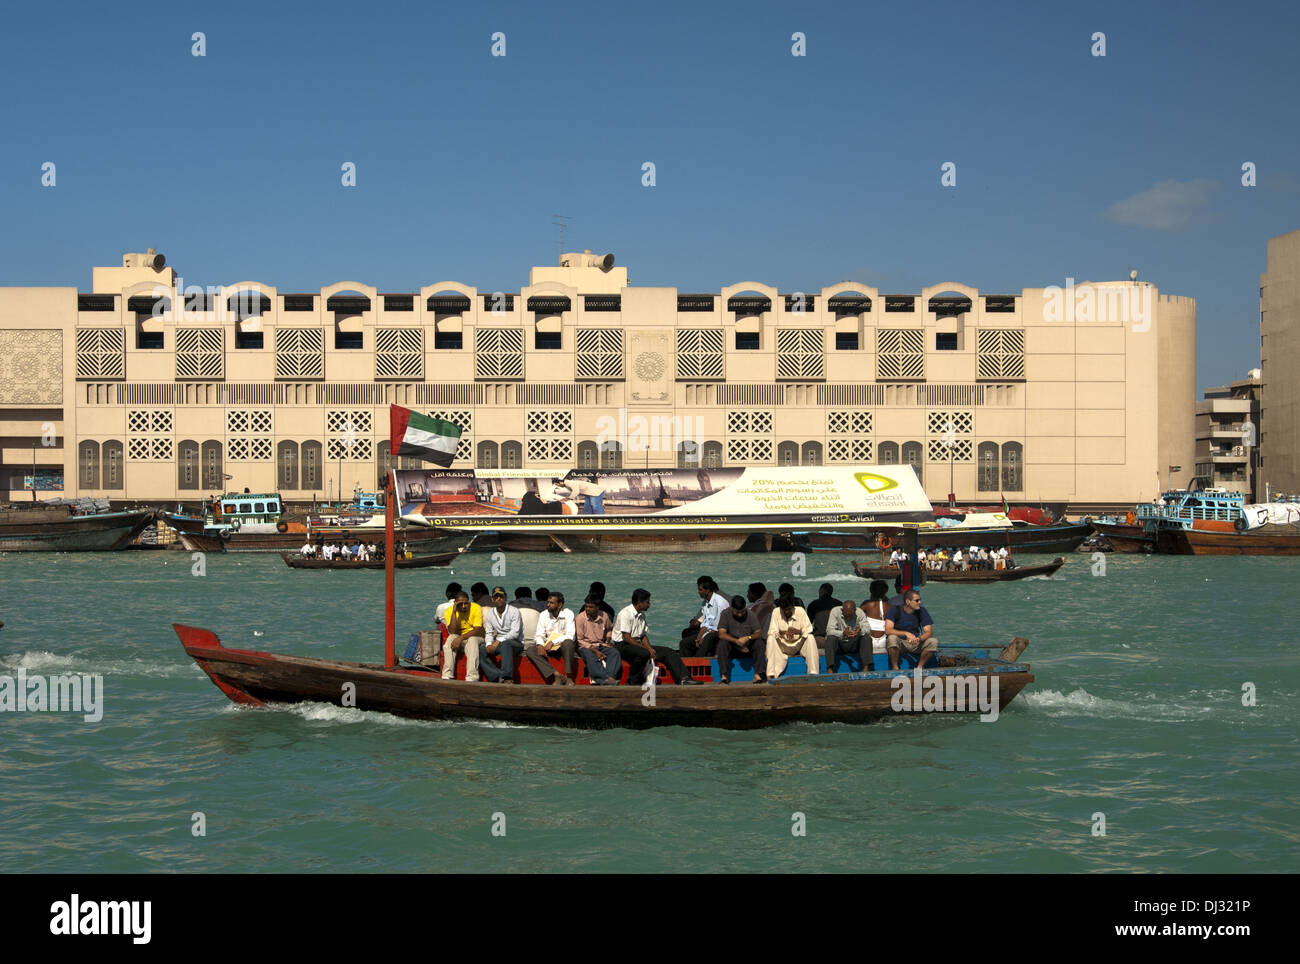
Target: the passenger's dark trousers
pixel 509 650
pixel 612 666
pixel 568 649
pixel 757 649
pixel 859 646
pixel 690 647
pixel 636 658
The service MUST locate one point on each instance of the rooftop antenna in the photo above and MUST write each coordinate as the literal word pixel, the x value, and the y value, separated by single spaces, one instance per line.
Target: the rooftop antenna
pixel 559 234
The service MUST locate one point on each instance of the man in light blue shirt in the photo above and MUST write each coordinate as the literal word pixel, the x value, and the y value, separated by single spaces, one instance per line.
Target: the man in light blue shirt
pixel 503 633
pixel 705 640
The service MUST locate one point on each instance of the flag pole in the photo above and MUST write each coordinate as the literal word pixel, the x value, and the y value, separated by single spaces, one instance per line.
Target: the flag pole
pixel 390 618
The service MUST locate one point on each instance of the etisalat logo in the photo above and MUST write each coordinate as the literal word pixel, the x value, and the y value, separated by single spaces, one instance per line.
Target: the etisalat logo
pixel 945 694
pixel 102 917
pixel 874 483
pixel 71 693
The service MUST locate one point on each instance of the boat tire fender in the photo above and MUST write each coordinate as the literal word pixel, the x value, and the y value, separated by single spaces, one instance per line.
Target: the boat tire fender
pixel 1239 523
pixel 282 527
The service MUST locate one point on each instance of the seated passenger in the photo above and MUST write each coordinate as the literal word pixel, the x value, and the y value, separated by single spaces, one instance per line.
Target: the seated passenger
pixel 632 639
pixel 761 603
pixel 739 627
pixel 704 639
pixel 909 627
pixel 847 632
pixel 790 634
pixel 874 609
pixel 824 602
pixel 464 632
pixel 503 628
pixel 592 629
pixel 785 589
pixel 555 633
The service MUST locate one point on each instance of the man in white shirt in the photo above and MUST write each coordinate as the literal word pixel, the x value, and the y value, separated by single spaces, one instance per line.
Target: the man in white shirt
pixel 307 549
pixel 632 640
pixel 555 632
pixel 705 640
pixel 894 558
pixel 503 629
pixel 790 634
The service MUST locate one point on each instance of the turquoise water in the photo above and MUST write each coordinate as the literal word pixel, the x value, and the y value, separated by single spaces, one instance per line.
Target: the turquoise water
pixel 1136 713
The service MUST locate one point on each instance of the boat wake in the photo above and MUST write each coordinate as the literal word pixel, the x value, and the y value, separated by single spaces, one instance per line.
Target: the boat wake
pixel 41 662
pixel 1080 702
pixel 329 713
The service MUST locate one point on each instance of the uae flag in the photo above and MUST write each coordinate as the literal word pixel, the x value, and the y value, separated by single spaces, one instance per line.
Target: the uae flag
pixel 421 436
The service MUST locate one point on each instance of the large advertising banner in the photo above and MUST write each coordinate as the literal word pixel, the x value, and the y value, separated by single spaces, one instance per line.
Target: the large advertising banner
pixel 792 496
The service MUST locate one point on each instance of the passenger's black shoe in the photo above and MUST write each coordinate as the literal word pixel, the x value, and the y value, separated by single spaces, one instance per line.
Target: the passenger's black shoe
pixel 690 681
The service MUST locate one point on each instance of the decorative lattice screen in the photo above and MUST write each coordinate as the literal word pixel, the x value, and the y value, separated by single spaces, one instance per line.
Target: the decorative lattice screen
pixel 101 353
pixel 1001 353
pixel 499 353
pixel 900 353
pixel 699 353
pixel 299 353
pixel 800 353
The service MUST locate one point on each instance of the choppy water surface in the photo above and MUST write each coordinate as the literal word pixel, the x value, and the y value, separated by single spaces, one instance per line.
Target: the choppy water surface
pixel 1136 714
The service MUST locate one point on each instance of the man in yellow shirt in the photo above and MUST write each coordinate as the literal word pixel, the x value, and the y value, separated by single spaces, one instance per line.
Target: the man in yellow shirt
pixel 464 631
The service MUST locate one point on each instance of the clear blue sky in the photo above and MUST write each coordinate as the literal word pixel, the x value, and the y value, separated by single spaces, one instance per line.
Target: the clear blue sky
pixel 794 171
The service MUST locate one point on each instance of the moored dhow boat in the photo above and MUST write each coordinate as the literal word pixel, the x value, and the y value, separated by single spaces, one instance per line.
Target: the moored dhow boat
pixel 254 678
pixel 967 576
pixel 295 561
pixel 62 527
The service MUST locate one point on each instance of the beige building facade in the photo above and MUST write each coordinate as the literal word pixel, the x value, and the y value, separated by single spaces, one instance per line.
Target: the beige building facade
pixel 142 390
pixel 1279 355
pixel 1227 436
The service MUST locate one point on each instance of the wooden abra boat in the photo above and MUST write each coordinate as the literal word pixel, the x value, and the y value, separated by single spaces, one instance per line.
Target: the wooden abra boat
pixel 1057 538
pixel 295 561
pixel 254 678
pixel 969 576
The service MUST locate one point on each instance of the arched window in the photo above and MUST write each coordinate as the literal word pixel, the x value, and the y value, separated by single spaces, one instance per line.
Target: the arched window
pixel 489 455
pixel 712 458
pixel 114 474
pixel 987 469
pixel 787 453
pixel 188 474
pixel 88 465
pixel 887 453
pixel 688 455
pixel 611 455
pixel 312 466
pixel 588 455
pixel 512 455
pixel 214 479
pixel 911 455
pixel 812 453
pixel 286 461
pixel 1013 468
